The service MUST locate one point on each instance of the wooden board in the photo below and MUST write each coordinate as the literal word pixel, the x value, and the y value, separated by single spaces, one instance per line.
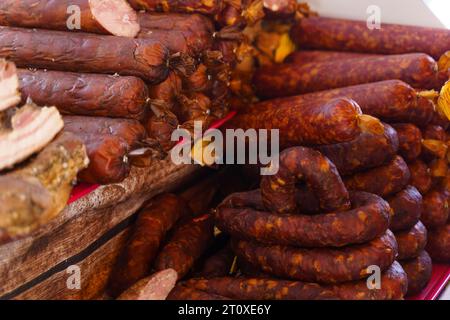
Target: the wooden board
pixel 95 268
pixel 26 263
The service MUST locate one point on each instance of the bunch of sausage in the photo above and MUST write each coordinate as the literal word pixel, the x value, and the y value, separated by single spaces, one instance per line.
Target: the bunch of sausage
pixel 128 78
pixel 343 80
pixel 363 175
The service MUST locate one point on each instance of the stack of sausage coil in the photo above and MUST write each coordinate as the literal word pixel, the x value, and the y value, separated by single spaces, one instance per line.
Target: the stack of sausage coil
pixel 150 71
pixel 405 159
pixel 293 243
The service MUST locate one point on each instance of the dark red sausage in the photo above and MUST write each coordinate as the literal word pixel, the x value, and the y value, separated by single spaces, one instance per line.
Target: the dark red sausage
pixel 383 181
pixel 312 56
pixel 407 206
pixel 168 90
pixel 178 41
pixel 419 271
pixel 439 244
pixel 393 287
pixel 85 94
pixel 108 158
pixel 155 287
pixel 369 150
pixel 368 219
pixel 420 176
pixel 410 138
pixel 154 221
pixel 347 35
pixel 82 52
pixel 131 131
pixel 303 164
pixel 185 6
pixel 440 120
pixel 193 22
pixel 192 34
pixel 199 81
pixel 161 125
pixel 228 50
pixel 311 124
pixel 392 101
pixel 97 16
pixel 434 132
pixel 435 209
pixel 193 106
pixel 218 265
pixel 188 242
pixel 320 265
pixel 411 242
pixel 184 293
pixel 417 69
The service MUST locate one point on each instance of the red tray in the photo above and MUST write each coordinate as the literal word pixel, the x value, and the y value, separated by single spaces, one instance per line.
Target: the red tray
pixel 83 189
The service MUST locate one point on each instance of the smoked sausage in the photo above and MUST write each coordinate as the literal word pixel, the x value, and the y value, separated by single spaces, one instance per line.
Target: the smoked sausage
pixel 304 164
pixel 435 209
pixel 320 265
pixel 154 221
pixel 83 52
pixel 383 181
pixel 129 130
pixel 188 242
pixel 369 150
pixel 420 176
pixel 168 90
pixel 312 56
pixel 114 17
pixel 417 69
pixel 368 219
pixel 439 244
pixel 155 287
pixel 193 22
pixel 85 94
pixel 434 132
pixel 161 125
pixel 108 158
pixel 347 35
pixel 393 287
pixel 309 125
pixel 392 101
pixel 178 41
pixel 411 242
pixel 218 265
pixel 410 138
pixel 184 6
pixel 184 293
pixel 199 81
pixel 188 33
pixel 407 206
pixel 419 272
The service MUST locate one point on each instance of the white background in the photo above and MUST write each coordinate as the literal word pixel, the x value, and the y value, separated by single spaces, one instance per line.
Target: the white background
pixel 409 12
